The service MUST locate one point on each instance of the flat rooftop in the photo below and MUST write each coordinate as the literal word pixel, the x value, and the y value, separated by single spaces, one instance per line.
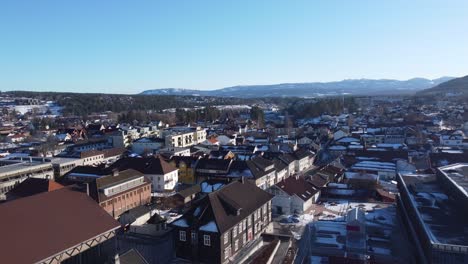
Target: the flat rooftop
pixel 7 170
pixel 442 219
pixel 329 234
pixel 458 174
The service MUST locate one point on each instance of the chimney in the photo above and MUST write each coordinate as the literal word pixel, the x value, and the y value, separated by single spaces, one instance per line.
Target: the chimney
pixel 115 172
pixel 30 159
pixel 87 188
pixel 242 179
pixel 116 259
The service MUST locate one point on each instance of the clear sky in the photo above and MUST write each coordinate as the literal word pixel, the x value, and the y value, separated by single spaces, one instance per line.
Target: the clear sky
pixel 128 46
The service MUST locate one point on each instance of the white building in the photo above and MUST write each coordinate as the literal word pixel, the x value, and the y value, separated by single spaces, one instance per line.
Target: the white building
pixel 455 140
pixel 147 145
pixel 293 195
pixel 184 136
pixel 304 160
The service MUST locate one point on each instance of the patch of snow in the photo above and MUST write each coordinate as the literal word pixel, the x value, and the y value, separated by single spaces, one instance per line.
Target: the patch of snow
pixel 210 227
pixel 197 211
pixel 207 188
pixel 181 223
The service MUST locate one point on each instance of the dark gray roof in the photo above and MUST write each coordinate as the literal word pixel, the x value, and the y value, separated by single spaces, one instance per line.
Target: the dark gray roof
pixel 297 186
pixel 123 176
pixel 132 256
pixel 190 190
pixel 222 206
pixel 301 154
pixel 214 164
pixel 150 165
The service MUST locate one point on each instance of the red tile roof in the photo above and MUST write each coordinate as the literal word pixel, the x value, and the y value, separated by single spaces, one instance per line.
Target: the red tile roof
pixel 33 186
pixel 40 226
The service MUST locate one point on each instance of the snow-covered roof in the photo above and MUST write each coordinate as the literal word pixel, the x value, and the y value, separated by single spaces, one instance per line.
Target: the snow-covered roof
pixel 180 223
pixel 209 227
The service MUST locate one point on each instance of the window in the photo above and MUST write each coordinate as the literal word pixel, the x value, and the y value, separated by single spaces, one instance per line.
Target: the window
pixel 236 245
pixel 206 240
pixel 227 252
pixel 249 220
pixel 240 228
pixel 182 236
pixel 226 238
pixel 234 231
pixel 243 240
pixel 194 237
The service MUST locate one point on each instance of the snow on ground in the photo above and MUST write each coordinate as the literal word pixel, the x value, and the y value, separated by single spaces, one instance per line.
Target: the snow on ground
pixel 207 188
pixel 300 220
pixel 339 206
pixel 328 216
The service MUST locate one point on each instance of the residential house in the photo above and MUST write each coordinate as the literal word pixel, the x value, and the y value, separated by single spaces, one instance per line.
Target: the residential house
pixel 208 168
pixel 186 166
pixel 174 151
pixel 184 197
pixel 293 195
pixel 340 133
pixel 184 136
pixel 263 171
pixel 222 223
pixel 281 170
pixel 163 175
pixel 147 145
pixel 304 160
pixel 304 141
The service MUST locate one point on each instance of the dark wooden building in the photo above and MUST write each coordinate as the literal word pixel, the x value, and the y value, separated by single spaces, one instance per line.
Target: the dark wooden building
pixel 218 226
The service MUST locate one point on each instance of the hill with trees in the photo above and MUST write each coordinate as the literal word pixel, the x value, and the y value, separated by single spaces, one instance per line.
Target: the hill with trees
pixel 455 87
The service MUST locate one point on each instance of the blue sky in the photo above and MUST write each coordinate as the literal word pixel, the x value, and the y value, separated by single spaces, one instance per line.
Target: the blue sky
pixel 129 46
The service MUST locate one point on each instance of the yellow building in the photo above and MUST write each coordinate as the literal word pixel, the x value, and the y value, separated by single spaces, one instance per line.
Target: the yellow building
pixel 186 166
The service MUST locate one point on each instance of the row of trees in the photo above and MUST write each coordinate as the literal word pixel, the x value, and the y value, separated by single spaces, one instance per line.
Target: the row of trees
pixel 84 104
pixel 257 115
pixel 206 114
pixel 313 108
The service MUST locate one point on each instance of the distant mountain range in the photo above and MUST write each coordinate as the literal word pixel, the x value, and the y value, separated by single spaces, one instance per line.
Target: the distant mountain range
pixel 454 87
pixel 313 89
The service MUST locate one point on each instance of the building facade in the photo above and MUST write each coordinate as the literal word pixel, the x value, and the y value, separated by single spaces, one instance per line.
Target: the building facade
pixel 222 223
